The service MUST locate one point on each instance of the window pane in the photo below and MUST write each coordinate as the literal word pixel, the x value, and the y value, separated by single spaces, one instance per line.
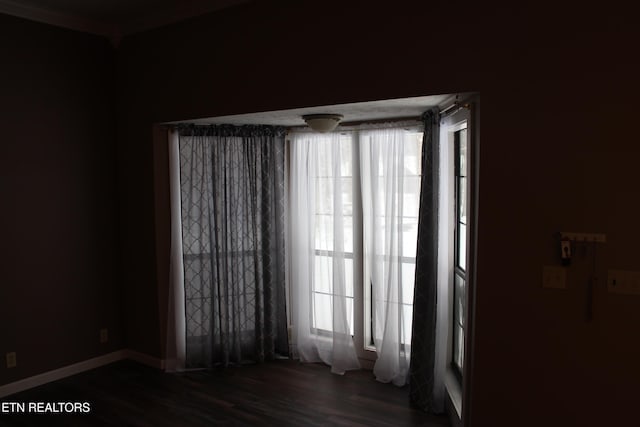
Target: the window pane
pixel 347 224
pixel 348 277
pixel 460 298
pixel 323 274
pixel 324 195
pixel 324 232
pixel 411 197
pixel 323 159
pixel 346 164
pixel 458 346
pixel 407 318
pixel 408 282
pixel 405 195
pixel 413 154
pixel 346 187
pixel 462 200
pixel 322 312
pixel 409 237
pixel 462 246
pixel 324 235
pixel 350 317
pixel 461 346
pixel 463 152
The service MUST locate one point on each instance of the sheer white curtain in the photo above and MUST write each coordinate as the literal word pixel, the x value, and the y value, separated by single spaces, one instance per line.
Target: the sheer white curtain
pixel 321 241
pixel 446 214
pixel 175 351
pixel 390 177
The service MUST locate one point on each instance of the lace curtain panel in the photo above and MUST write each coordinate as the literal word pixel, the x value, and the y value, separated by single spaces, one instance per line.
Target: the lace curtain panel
pixel 233 201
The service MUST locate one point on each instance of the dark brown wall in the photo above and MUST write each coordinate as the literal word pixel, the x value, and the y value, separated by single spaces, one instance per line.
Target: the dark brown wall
pixel 59 279
pixel 559 91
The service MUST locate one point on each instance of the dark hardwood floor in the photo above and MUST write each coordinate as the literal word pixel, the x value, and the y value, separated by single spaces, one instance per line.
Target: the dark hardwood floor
pixel 279 393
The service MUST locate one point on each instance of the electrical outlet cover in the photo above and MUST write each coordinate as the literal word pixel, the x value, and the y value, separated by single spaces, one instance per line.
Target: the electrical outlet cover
pixel 11 360
pixel 554 277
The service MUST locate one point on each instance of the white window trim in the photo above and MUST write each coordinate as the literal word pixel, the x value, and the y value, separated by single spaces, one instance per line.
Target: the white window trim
pixel 456 389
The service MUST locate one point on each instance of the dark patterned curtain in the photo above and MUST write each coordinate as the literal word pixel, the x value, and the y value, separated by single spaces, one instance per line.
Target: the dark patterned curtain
pixel 233 201
pixel 421 372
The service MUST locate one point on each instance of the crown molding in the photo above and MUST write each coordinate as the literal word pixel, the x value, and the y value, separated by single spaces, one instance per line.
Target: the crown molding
pixel 116 31
pixel 72 22
pixel 180 12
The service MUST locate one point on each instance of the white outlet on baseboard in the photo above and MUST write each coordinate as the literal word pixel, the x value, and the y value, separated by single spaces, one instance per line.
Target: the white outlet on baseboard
pixel 11 360
pixel 104 335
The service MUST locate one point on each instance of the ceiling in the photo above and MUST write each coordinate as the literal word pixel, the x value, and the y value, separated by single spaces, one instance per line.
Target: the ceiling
pixel 112 18
pixel 117 18
pixel 402 108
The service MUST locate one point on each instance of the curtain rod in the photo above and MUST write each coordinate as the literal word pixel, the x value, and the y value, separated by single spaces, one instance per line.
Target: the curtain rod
pixel 417 119
pixel 454 108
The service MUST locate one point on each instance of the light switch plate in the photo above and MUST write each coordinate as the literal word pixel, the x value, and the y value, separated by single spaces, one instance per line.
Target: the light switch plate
pixel 554 277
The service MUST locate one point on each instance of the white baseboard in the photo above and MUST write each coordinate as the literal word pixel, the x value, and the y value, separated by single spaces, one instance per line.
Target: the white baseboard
pixel 56 374
pixel 76 368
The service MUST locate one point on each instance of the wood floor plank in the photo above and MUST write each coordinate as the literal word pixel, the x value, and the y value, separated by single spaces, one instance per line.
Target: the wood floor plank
pixel 278 393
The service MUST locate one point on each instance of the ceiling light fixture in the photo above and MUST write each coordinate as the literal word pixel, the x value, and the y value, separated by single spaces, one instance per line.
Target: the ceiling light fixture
pixel 323 122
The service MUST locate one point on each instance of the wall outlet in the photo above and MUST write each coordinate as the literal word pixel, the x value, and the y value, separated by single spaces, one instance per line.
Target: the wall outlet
pixel 554 277
pixel 623 282
pixel 104 335
pixel 11 360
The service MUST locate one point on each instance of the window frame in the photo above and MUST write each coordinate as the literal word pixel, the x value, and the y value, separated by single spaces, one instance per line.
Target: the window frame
pixel 458 270
pixel 459 387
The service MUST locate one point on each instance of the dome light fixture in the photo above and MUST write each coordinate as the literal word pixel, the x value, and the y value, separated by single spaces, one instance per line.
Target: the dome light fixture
pixel 322 122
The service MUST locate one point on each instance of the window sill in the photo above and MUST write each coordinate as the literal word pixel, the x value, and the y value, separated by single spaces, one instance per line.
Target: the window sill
pixel 454 390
